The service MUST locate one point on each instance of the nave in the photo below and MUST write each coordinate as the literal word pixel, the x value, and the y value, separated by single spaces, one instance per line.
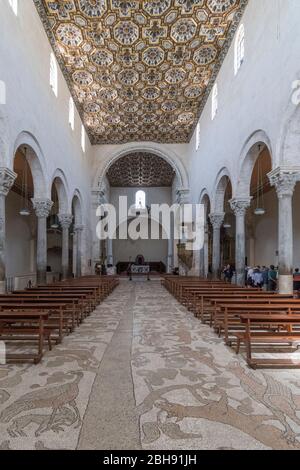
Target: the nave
pixel 143 372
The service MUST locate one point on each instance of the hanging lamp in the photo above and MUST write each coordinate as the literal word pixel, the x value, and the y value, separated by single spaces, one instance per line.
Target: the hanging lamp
pixel 24 211
pixel 259 210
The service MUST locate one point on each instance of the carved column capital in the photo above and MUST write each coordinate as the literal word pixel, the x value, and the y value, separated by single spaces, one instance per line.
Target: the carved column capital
pixel 42 207
pixel 79 228
pixel 239 206
pixel 217 219
pixel 284 179
pixel 182 196
pixel 65 220
pixel 7 179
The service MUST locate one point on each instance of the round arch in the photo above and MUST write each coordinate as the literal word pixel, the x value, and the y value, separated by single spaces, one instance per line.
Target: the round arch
pixel 61 185
pixel 205 199
pixel 36 162
pixel 249 155
pixel 289 138
pixel 169 157
pixel 221 182
pixel 77 206
pixel 4 140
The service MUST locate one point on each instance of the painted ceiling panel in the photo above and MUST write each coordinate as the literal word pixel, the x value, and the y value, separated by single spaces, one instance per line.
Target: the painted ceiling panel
pixel 140 70
pixel 140 169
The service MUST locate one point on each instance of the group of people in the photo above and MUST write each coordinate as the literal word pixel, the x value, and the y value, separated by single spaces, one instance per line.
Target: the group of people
pixel 264 276
pixel 257 276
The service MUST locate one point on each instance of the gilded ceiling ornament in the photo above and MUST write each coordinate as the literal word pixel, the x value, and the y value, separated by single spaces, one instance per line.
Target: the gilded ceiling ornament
pixel 130 106
pixel 193 91
pixel 183 30
pixel 93 8
pixel 82 78
pixel 62 9
pixel 125 7
pixel 126 32
pixel 188 5
pixel 186 118
pixel 108 93
pixel 155 32
pixel 169 106
pixel 221 6
pixel 157 7
pixel 205 55
pixel 128 77
pixel 102 57
pixel 104 77
pixel 91 107
pixel 151 93
pixel 69 34
pixel 175 75
pixel 153 56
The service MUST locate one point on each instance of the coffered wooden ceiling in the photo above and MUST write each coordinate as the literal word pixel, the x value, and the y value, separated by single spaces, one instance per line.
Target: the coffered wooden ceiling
pixel 140 169
pixel 140 70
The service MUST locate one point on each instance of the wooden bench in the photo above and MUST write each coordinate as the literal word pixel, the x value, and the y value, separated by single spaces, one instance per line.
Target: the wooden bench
pixel 276 320
pixel 25 325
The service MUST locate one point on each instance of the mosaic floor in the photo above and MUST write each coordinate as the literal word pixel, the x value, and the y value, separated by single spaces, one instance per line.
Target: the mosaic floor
pixel 142 372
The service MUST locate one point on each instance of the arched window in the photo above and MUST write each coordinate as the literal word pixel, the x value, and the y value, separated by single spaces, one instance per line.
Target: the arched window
pixel 214 101
pixel 2 92
pixel 83 138
pixel 140 200
pixel 53 73
pixel 71 113
pixel 239 48
pixel 14 6
pixel 198 130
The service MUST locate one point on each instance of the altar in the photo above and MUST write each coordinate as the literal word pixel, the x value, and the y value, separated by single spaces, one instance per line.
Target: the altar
pixel 139 268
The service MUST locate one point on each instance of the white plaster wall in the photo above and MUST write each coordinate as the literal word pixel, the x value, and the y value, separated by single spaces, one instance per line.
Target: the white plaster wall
pixel 256 98
pixel 153 195
pixel 152 250
pixel 31 105
pixel 18 239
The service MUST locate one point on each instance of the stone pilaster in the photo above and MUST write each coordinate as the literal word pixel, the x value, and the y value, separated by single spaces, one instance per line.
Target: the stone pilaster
pixel 42 209
pixel 239 207
pixel 216 220
pixel 284 179
pixel 7 179
pixel 65 222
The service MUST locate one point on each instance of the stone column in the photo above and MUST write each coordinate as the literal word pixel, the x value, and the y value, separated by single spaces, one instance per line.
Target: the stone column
pixel 110 258
pixel 65 222
pixel 284 180
pixel 204 255
pixel 42 209
pixel 239 206
pixel 216 220
pixel 78 231
pixel 7 178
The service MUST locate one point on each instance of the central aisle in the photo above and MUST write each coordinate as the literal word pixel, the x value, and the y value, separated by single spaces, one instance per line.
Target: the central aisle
pixel 143 373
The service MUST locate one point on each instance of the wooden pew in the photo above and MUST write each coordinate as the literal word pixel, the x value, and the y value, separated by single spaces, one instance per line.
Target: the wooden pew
pixel 289 321
pixel 229 314
pixel 32 326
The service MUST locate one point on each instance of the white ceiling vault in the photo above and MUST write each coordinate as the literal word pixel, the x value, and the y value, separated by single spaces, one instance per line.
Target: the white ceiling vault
pixel 140 70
